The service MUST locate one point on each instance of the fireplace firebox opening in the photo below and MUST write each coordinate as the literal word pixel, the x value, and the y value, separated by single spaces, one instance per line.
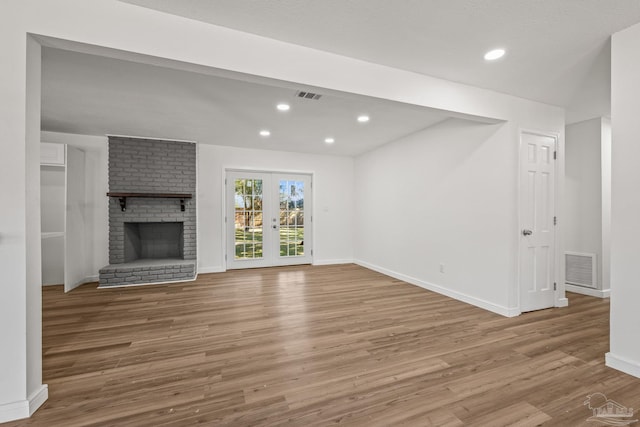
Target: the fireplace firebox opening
pixel 153 240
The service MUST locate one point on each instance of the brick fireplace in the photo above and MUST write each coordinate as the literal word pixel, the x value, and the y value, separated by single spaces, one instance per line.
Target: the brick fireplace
pixel 152 212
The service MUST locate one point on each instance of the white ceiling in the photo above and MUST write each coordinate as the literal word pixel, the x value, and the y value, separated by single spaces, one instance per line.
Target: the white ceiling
pixel 96 95
pixel 551 44
pixel 557 53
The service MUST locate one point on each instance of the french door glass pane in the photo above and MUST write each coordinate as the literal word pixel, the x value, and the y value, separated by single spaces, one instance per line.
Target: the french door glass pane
pixel 248 218
pixel 291 218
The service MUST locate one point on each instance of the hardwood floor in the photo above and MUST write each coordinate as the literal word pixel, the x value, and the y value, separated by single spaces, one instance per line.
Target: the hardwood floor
pixel 309 346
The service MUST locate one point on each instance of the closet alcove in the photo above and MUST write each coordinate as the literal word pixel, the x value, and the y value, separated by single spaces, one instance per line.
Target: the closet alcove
pixel 63 214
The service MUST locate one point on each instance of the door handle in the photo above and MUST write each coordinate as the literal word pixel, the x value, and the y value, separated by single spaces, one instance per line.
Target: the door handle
pixel 526 232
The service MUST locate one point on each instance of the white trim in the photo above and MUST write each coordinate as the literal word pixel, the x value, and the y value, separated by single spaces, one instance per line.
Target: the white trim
pixel 224 219
pixel 24 408
pixel 147 284
pixel 37 398
pixel 196 198
pixel 150 138
pixel 332 261
pixel 51 234
pixel 57 154
pixel 562 302
pixel 14 411
pixel 627 366
pixel 84 280
pixel 606 293
pixel 495 308
pixel 221 269
pixel 207 270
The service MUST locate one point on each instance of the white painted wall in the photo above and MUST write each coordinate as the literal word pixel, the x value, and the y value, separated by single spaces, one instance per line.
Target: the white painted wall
pixel 333 196
pixel 161 35
pixel 442 196
pixel 593 98
pixel 53 259
pixel 583 185
pixel 446 195
pixel 625 202
pixel 52 195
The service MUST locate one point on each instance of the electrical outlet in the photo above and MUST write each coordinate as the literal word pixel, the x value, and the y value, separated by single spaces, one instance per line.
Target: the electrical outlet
pixel 441 268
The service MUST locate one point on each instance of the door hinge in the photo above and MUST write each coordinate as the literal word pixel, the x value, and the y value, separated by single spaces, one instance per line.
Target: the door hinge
pixel 555 286
pixel 555 220
pixel 225 181
pixel 225 257
pixel 225 219
pixel 311 252
pixel 555 155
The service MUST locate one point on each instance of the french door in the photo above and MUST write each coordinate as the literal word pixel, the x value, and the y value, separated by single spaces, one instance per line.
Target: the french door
pixel 268 219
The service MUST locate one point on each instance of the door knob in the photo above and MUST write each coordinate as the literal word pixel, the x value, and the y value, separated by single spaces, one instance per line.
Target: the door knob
pixel 527 232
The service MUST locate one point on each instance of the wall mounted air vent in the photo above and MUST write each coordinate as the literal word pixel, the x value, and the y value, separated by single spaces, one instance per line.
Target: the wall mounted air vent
pixel 308 95
pixel 580 269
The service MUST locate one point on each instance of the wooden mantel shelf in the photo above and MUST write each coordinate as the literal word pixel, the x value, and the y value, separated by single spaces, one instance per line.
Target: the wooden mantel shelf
pixel 156 195
pixel 123 197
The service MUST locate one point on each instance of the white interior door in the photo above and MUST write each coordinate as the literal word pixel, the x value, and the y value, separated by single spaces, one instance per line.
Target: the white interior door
pixel 268 219
pixel 537 222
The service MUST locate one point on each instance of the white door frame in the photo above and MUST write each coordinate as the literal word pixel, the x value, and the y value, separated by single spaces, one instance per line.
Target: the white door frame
pixel 224 228
pixel 559 268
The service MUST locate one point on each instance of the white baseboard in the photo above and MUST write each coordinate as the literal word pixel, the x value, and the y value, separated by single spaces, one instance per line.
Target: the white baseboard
pixel 14 411
pixel 486 305
pixel 37 398
pixel 588 291
pixel 221 269
pixel 621 364
pixel 562 302
pixel 24 408
pixel 88 279
pixel 207 270
pixel 332 261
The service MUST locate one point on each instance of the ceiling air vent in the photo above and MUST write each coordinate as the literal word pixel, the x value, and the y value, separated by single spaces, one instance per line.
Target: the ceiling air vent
pixel 308 95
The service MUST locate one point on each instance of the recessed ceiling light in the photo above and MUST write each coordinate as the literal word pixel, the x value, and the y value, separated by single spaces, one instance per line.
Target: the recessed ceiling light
pixel 363 118
pixel 265 132
pixel 329 140
pixel 494 54
pixel 283 107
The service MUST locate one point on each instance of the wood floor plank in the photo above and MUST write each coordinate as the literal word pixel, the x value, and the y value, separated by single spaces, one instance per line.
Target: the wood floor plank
pixel 316 346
